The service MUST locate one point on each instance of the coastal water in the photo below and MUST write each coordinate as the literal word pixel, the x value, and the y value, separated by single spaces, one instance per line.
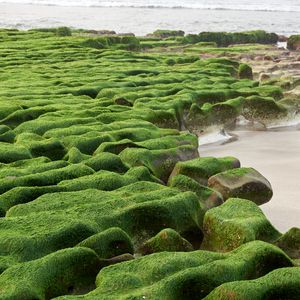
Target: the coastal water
pixel 254 5
pixel 144 16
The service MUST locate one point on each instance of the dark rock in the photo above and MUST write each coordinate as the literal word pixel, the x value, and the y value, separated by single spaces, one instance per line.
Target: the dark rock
pixel 244 183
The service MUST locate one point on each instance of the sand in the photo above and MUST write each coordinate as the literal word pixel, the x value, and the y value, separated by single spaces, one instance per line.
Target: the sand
pixel 275 154
pixel 145 20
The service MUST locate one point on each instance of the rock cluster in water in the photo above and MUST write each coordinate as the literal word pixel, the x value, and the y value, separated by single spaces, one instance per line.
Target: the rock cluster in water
pixel 103 194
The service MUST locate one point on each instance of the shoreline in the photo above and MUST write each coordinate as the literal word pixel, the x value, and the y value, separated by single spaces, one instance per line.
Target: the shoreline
pixel 257 149
pixel 141 21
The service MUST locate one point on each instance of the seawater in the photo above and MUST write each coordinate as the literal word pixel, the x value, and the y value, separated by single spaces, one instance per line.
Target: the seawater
pixel 253 5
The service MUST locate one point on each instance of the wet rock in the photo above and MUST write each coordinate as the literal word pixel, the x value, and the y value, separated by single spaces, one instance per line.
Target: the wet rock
pixel 262 109
pixel 244 183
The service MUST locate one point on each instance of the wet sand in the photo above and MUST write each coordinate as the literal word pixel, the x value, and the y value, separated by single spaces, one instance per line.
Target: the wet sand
pixel 145 20
pixel 275 154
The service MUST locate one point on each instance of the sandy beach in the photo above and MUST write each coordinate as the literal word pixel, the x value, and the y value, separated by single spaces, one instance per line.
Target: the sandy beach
pixel 145 20
pixel 275 154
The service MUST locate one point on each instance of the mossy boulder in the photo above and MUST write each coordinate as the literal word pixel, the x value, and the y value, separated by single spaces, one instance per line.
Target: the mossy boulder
pixel 185 275
pixel 6 134
pixel 245 72
pixel 10 153
pixel 159 162
pixel 283 283
pixel 293 42
pixel 236 222
pixel 262 109
pixel 68 271
pixel 46 178
pixel 244 183
pixel 106 161
pixel 163 33
pixel 109 243
pixel 141 210
pixel 166 240
pixel 225 39
pixel 207 197
pixel 201 169
pixel 63 31
pixel 290 243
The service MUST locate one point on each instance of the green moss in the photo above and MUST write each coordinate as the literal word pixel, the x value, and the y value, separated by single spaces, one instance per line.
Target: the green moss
pixel 179 275
pixel 160 162
pixel 166 240
pixel 236 222
pixel 10 153
pixel 109 243
pixel 52 148
pixel 163 33
pixel 293 42
pixel 50 177
pixel 116 147
pixel 207 197
pixel 74 156
pixel 90 133
pixel 262 109
pixel 225 39
pixel 283 283
pixel 19 195
pixel 200 169
pixel 245 72
pixel 63 272
pixel 63 31
pixel 106 161
pixel 290 243
pixel 6 134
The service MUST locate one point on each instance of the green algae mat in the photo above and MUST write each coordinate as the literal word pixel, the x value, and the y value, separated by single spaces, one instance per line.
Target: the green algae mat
pixel 103 194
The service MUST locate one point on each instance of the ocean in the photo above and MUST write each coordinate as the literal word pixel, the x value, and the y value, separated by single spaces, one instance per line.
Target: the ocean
pixel 253 5
pixel 144 16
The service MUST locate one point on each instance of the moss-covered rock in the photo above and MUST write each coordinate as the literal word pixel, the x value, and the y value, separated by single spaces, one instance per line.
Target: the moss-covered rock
pixel 234 223
pixel 283 283
pixel 166 240
pixel 179 275
pixel 245 72
pixel 244 183
pixel 293 42
pixel 10 153
pixel 160 162
pixel 201 169
pixel 207 197
pixel 290 243
pixel 68 271
pixel 163 33
pixel 109 243
pixel 262 109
